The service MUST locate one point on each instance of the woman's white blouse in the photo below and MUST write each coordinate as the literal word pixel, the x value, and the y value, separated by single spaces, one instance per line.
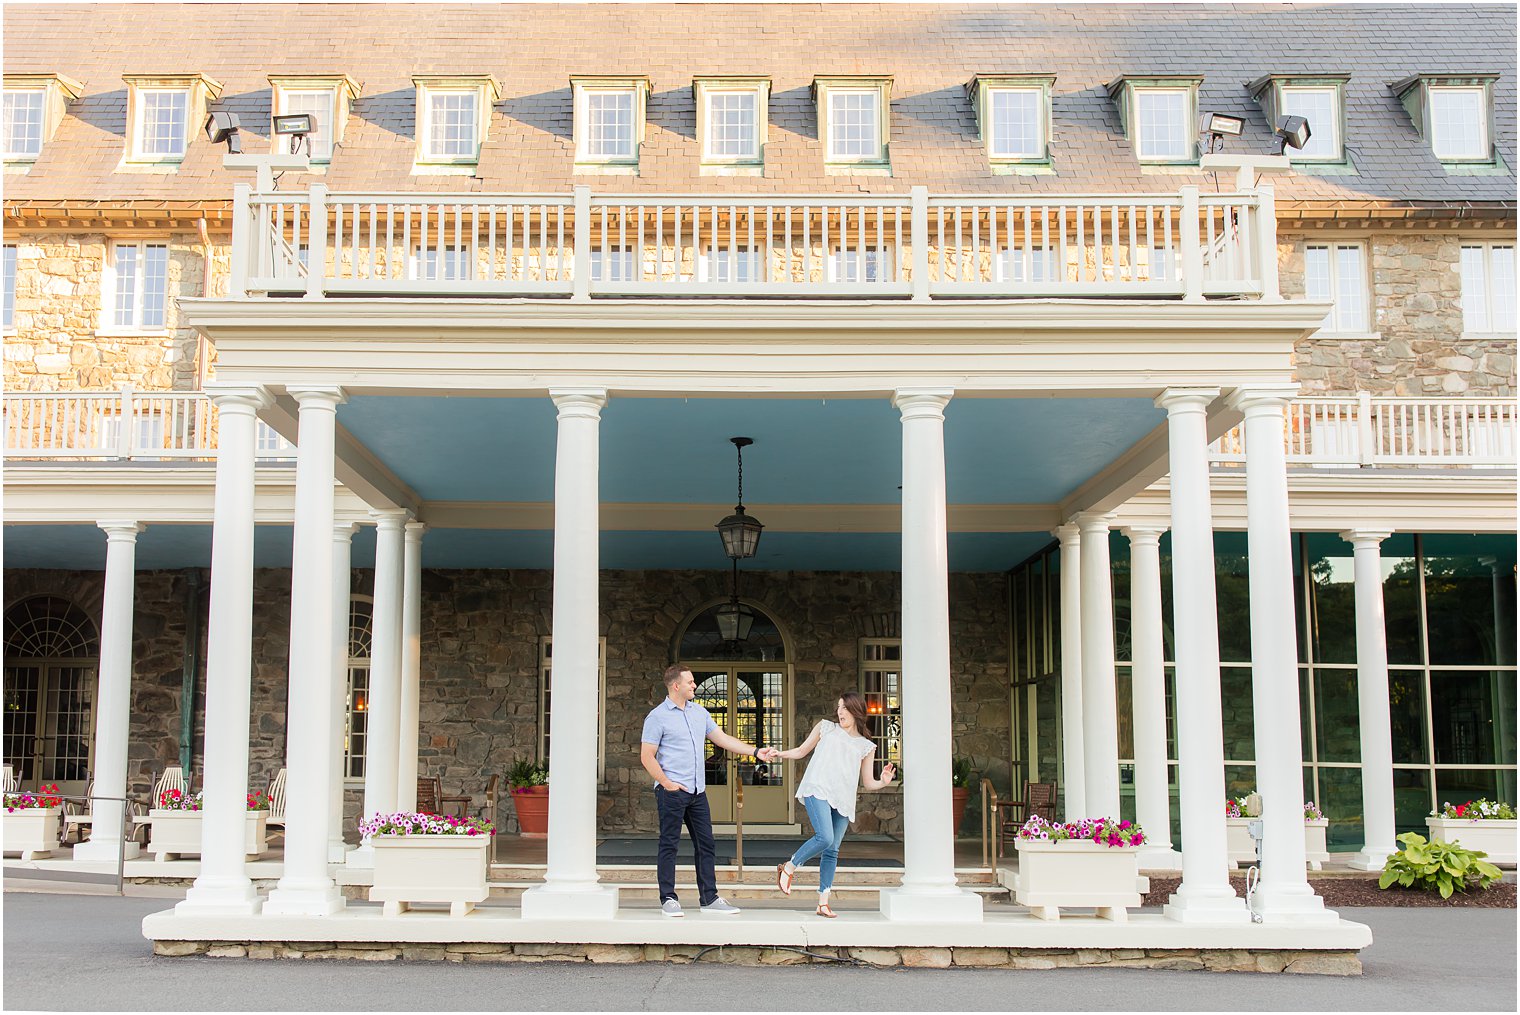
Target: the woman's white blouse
pixel 833 774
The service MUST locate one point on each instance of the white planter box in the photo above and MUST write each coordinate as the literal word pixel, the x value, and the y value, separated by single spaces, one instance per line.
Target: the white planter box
pixel 175 833
pixel 430 868
pixel 1494 837
pixel 1242 848
pixel 1056 874
pixel 31 831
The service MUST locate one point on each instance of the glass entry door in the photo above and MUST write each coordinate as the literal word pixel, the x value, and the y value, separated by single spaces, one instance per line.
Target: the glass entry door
pixel 49 708
pixel 747 701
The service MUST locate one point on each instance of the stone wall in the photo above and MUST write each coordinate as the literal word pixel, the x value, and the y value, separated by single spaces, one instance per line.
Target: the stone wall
pixel 1416 346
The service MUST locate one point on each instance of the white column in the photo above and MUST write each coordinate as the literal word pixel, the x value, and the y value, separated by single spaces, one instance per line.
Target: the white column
pixel 1100 722
pixel 113 701
pixel 306 888
pixel 383 728
pixel 223 886
pixel 1205 895
pixel 411 668
pixel 1073 788
pixel 929 890
pixel 1284 895
pixel 1374 713
pixel 571 888
pixel 1153 800
pixel 342 584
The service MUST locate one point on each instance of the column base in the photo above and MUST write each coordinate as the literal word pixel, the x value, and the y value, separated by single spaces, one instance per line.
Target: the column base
pixel 549 902
pixel 954 906
pixel 1212 905
pixel 1298 905
pixel 105 851
pixel 305 900
pixel 1163 859
pixel 220 897
pixel 1370 859
pixel 361 857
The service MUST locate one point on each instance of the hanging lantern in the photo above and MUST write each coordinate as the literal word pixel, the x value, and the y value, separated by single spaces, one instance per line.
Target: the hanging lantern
pixel 740 532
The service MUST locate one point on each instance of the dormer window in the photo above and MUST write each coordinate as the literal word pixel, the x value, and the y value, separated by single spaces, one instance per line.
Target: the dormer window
pixel 1318 99
pixel 609 120
pixel 853 120
pixel 1014 114
pixel 1160 117
pixel 34 105
pixel 1453 112
pixel 453 112
pixel 163 111
pixel 731 119
pixel 327 100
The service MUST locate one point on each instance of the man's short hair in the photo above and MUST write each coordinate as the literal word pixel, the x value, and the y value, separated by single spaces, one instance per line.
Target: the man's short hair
pixel 673 673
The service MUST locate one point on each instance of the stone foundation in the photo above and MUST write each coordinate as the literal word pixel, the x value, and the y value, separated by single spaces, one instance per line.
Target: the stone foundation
pixel 1232 960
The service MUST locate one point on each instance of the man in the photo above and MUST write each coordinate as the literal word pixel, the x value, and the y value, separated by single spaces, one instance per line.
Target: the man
pixel 672 754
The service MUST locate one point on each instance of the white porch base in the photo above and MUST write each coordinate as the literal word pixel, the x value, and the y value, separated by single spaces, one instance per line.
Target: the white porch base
pixel 959 907
pixel 543 903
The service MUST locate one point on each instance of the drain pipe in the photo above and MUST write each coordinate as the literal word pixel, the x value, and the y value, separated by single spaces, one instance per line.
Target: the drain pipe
pixel 190 669
pixel 201 349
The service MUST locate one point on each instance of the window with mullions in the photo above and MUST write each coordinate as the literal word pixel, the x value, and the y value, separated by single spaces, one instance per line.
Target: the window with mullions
pixel 854 119
pixel 452 121
pixel 1017 123
pixel 545 667
pixel 612 264
pixel 10 285
pixel 21 135
pixel 1338 272
pixel 731 264
pixel 451 264
pixel 731 124
pixel 162 123
pixel 854 265
pixel 1459 123
pixel 609 118
pixel 881 686
pixel 318 104
pixel 1318 105
pixel 1036 264
pixel 1488 287
pixel 1161 125
pixel 140 280
pixel 360 639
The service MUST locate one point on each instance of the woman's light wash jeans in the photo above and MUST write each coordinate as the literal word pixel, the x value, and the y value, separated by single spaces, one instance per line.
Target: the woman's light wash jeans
pixel 828 833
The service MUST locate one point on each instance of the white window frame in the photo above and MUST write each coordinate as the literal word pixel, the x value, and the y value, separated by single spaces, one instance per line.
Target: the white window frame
pixel 880 88
pixel 356 664
pixel 139 135
pixel 1483 145
pixel 705 90
pixel 1013 264
pixel 637 92
pixel 470 119
pixel 1416 93
pixel 110 282
pixel 446 262
pixel 746 257
pixel 1335 321
pixel 1185 118
pixel 339 92
pixel 198 91
pixel 11 262
pixel 148 432
pixel 545 654
pixel 1478 308
pixel 986 89
pixel 1320 133
pixel 876 261
pixel 623 259
pixel 867 666
pixel 486 93
pixel 40 95
pixel 57 92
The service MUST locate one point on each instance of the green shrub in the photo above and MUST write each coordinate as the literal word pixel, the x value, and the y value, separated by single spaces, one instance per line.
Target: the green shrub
pixel 961 773
pixel 526 773
pixel 1444 866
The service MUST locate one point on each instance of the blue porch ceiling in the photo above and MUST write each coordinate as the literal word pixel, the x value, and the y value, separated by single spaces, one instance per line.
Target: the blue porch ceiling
pixel 671 450
pixel 83 548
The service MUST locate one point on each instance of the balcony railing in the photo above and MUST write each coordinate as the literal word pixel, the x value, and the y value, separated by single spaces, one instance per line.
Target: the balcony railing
pixel 1371 430
pixel 1341 432
pixel 120 425
pixel 1184 245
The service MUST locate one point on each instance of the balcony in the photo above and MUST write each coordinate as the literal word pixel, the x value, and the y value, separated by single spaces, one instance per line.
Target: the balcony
pixel 580 246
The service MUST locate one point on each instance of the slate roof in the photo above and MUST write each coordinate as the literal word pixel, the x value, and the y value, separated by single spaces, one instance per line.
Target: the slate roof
pixel 930 50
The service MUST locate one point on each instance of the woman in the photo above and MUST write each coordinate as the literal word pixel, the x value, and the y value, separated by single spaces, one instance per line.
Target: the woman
pixel 846 759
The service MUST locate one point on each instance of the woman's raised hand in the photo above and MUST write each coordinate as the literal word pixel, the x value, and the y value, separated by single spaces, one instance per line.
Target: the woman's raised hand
pixel 888 773
pixel 768 754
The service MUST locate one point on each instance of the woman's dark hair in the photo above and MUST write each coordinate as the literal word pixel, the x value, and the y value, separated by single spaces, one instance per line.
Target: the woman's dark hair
pixel 855 704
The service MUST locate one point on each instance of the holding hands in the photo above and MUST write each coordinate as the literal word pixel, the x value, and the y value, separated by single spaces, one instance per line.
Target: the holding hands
pixel 768 754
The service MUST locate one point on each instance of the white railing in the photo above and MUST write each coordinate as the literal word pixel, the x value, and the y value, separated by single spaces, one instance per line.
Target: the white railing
pixel 1182 245
pixel 122 425
pixel 1377 430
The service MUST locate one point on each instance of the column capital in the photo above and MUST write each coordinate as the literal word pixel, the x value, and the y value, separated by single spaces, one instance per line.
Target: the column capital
pixel 1176 400
pixel 1257 398
pixel 245 398
pixel 1366 537
pixel 1067 532
pixel 579 403
pixel 1144 535
pixel 344 531
pixel 922 403
pixel 389 520
pixel 1093 521
pixel 121 531
pixel 317 396
pixel 414 531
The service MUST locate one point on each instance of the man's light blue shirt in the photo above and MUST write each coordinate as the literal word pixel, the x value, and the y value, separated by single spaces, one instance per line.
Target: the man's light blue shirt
pixel 678 735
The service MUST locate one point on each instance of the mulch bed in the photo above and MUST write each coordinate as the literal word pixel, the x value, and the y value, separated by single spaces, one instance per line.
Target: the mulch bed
pixel 1345 892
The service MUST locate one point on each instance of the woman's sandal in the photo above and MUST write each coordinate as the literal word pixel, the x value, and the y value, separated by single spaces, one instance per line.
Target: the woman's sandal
pixel 783 879
pixel 824 910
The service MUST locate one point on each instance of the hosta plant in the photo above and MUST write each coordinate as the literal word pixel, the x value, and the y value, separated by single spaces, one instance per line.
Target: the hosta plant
pixel 1442 866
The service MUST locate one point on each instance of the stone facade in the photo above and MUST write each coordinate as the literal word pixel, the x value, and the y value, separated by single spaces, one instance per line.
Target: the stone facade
pixel 1417 346
pixel 480 683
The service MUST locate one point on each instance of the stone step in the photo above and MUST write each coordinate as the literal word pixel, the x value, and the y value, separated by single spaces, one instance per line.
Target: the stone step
pixel 856 876
pixel 650 891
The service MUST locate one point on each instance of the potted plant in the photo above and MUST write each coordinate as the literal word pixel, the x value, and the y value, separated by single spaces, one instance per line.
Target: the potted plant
pixel 428 858
pixel 1239 814
pixel 176 824
pixel 961 777
pixel 1485 825
pixel 31 822
pixel 528 781
pixel 1316 832
pixel 1089 862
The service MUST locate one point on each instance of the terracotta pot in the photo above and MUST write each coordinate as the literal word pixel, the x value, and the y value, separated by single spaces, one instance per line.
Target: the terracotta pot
pixel 958 795
pixel 532 806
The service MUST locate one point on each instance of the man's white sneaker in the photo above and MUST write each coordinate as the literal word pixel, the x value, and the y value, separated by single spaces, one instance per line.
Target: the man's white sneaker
pixel 670 907
pixel 721 907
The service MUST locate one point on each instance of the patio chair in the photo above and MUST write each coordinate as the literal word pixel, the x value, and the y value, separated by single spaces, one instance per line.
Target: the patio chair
pixel 487 810
pixel 78 815
pixel 276 817
pixel 429 793
pixel 7 779
pixel 1037 798
pixel 173 778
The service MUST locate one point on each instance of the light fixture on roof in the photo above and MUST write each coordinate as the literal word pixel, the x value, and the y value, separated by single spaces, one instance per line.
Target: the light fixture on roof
pixel 224 127
pixel 1292 132
pixel 1219 126
pixel 300 127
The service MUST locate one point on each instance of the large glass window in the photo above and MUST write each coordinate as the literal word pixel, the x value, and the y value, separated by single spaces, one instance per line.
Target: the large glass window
pixel 1161 125
pixel 21 124
pixel 1488 287
pixel 609 133
pixel 140 286
pixel 881 686
pixel 161 122
pixel 854 121
pixel 545 701
pixel 1017 123
pixel 1458 123
pixel 452 125
pixel 1338 273
pixel 361 611
pixel 731 126
pixel 1318 105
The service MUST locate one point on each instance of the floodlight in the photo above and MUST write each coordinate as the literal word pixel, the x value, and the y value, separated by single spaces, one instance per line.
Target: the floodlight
pixel 1223 123
pixel 224 127
pixel 299 126
pixel 1292 132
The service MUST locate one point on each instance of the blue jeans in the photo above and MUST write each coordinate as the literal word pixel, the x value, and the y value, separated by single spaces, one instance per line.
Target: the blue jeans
pixel 828 832
pixel 690 809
